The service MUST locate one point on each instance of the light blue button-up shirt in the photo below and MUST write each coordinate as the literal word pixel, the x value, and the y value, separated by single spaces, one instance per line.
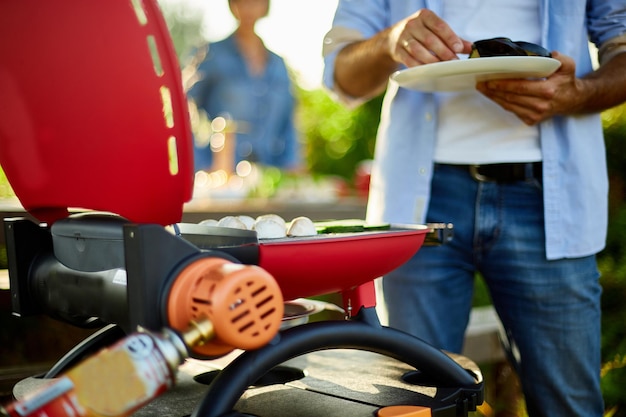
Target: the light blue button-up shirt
pixel 575 177
pixel 262 105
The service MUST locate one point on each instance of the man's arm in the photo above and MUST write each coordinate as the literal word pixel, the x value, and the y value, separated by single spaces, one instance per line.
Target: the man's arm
pixel 363 68
pixel 606 87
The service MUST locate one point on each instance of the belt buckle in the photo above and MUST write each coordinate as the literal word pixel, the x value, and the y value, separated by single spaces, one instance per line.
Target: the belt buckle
pixel 473 170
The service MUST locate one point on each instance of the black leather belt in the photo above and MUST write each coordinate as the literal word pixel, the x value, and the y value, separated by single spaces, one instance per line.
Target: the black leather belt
pixel 510 172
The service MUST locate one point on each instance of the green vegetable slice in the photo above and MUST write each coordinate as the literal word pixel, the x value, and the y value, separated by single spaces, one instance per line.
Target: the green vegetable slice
pixel 349 226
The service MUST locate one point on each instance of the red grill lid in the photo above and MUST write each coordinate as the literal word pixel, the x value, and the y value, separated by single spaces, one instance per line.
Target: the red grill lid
pixel 93 114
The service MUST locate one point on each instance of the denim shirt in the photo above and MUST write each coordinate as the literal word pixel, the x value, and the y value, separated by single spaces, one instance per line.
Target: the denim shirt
pixel 575 183
pixel 261 105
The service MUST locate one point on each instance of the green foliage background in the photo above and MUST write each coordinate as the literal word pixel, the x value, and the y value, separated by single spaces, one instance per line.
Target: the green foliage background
pixel 612 264
pixel 336 139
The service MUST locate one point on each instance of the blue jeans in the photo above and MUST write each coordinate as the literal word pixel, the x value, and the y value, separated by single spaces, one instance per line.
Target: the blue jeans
pixel 550 309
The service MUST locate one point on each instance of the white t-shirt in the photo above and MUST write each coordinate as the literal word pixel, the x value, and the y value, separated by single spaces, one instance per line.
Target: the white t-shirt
pixel 473 129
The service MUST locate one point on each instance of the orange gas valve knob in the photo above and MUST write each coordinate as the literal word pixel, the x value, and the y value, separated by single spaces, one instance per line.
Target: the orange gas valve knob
pixel 243 302
pixel 404 411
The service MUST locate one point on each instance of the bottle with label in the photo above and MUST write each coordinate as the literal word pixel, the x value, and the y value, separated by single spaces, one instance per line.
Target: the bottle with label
pixel 113 383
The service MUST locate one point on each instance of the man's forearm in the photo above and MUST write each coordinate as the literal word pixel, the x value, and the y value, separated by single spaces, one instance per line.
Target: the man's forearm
pixel 606 87
pixel 362 69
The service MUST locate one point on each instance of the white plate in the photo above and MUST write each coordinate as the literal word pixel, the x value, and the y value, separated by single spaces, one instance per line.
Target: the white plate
pixel 463 74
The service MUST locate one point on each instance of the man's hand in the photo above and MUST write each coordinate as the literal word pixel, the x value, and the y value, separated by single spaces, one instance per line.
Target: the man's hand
pixel 424 38
pixel 534 101
pixel 362 69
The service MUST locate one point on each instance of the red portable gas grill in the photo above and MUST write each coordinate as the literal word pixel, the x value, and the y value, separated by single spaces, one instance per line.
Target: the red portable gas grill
pixel 93 118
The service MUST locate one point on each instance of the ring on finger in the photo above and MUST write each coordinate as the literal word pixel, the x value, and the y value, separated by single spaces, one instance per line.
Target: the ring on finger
pixel 406 42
